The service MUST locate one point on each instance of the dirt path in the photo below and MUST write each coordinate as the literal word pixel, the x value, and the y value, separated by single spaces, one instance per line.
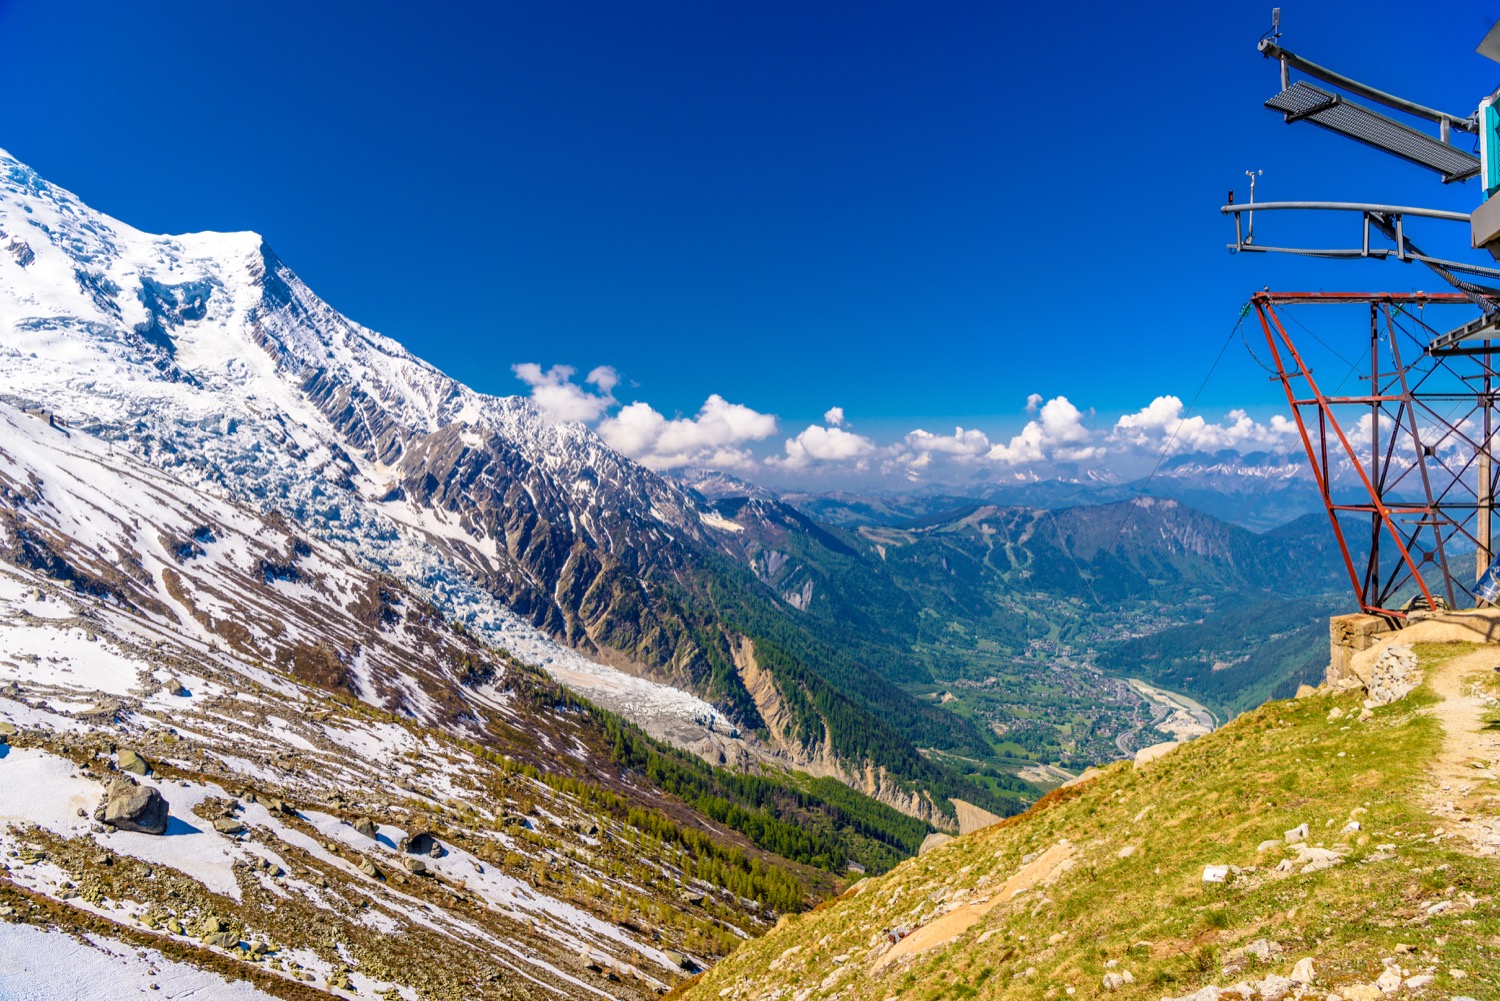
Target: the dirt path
pixel 1464 796
pixel 1040 871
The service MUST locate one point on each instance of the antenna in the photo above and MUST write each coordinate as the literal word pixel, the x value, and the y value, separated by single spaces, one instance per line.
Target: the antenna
pixel 1250 216
pixel 1275 24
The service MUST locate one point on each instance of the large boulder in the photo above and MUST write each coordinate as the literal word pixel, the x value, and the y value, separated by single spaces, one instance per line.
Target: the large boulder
pixel 1148 754
pixel 423 843
pixel 132 807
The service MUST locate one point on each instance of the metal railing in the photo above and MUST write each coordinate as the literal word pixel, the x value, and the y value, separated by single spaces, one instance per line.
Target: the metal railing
pixel 1388 220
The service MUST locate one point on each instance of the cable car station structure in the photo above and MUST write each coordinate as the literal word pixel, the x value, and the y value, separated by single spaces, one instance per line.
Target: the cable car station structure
pixel 1404 463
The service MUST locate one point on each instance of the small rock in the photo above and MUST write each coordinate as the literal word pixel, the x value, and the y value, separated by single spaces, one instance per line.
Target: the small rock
pixel 1306 691
pixel 1389 980
pixel 1302 973
pixel 1418 982
pixel 1296 834
pixel 1215 873
pixel 173 687
pixel 366 826
pixel 416 866
pixel 370 869
pixel 1365 715
pixel 131 761
pixel 228 825
pixel 1275 987
pixel 1266 846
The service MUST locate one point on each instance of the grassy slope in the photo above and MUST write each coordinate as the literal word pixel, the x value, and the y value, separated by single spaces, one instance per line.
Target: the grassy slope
pixel 1210 802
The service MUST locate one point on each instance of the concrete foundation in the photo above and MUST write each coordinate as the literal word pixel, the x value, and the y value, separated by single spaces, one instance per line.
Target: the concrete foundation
pixel 1349 635
pixel 1355 641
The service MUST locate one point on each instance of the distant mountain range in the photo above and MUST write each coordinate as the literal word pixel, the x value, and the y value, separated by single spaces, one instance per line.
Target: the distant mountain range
pixel 1256 490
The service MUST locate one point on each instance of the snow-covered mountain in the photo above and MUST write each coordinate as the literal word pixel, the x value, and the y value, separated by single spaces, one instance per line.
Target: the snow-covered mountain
pixel 206 356
pixel 303 716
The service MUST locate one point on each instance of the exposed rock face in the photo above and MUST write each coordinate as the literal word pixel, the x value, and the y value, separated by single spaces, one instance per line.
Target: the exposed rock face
pixel 971 818
pixel 132 807
pixel 935 840
pixel 814 756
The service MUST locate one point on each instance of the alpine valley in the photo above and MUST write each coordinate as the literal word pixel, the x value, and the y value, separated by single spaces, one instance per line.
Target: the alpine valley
pixel 416 669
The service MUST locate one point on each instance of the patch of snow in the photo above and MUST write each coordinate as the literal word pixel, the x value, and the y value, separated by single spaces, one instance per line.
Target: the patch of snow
pixel 37 965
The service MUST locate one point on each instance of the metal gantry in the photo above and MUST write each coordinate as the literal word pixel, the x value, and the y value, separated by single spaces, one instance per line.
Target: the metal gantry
pixel 1404 469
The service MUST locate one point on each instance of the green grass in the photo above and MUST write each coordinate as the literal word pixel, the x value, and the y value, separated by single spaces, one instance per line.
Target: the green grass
pixel 1210 802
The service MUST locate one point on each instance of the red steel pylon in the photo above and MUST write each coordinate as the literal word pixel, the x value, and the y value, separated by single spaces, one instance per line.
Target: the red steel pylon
pixel 1414 463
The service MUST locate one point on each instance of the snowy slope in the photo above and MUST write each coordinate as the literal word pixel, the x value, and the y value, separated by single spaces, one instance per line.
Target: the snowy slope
pixel 277 682
pixel 204 355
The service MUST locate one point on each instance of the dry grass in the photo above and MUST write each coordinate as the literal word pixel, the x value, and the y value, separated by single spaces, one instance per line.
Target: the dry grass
pixel 1211 802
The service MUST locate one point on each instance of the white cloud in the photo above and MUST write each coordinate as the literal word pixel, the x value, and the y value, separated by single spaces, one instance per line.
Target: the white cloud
pixel 714 438
pixel 962 445
pixel 1160 425
pixel 560 398
pixel 605 377
pixel 1057 433
pixel 834 417
pixel 824 444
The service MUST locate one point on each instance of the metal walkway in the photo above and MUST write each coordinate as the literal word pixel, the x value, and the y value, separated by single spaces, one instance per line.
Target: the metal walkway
pixel 1302 101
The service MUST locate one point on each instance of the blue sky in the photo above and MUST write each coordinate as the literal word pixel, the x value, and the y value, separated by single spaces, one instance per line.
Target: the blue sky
pixel 919 213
